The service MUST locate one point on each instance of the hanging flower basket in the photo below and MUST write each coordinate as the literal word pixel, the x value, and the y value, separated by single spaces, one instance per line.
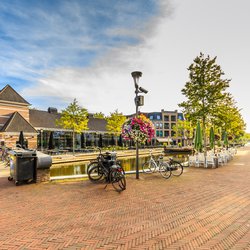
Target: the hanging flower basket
pixel 139 129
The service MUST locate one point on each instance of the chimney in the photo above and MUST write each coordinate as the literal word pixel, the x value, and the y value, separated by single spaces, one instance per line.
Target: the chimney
pixel 52 110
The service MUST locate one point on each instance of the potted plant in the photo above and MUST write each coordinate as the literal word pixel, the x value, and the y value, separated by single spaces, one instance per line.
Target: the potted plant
pixel 138 129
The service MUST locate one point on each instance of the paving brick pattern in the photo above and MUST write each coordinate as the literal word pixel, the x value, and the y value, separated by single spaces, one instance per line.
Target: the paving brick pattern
pixel 202 209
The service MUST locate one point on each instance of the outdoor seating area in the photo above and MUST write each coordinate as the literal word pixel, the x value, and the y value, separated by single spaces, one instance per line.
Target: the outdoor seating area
pixel 213 158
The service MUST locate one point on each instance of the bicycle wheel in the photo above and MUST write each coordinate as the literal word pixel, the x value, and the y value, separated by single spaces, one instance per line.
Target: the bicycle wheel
pixel 165 170
pixel 117 178
pixel 176 168
pixel 91 164
pixel 95 173
pixel 148 167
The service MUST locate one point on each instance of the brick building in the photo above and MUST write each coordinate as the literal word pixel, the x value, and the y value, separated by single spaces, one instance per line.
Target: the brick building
pixel 37 125
pixel 164 123
pixel 14 118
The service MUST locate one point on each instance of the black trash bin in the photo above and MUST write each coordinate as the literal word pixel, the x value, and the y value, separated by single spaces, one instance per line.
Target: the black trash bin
pixel 22 166
pixel 44 161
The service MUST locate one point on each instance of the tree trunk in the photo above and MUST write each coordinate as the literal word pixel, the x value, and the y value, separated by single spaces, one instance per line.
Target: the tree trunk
pixel 73 142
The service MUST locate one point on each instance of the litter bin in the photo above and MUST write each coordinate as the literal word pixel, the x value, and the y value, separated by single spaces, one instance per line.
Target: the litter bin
pixel 44 161
pixel 22 166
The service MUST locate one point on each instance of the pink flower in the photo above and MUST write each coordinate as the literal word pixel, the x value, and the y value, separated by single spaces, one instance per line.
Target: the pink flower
pixel 138 129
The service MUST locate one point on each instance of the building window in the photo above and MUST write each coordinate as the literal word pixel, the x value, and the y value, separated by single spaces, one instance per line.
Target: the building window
pixel 172 133
pixel 160 125
pixel 166 133
pixel 180 117
pixel 157 133
pixel 151 117
pixel 157 125
pixel 166 125
pixel 172 125
pixel 158 117
pixel 166 118
pixel 173 118
pixel 160 133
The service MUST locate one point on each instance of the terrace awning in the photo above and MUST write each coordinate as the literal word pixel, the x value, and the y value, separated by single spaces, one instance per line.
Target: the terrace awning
pixel 164 139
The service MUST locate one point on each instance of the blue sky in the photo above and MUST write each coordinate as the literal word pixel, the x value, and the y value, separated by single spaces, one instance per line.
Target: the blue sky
pixel 53 51
pixel 40 35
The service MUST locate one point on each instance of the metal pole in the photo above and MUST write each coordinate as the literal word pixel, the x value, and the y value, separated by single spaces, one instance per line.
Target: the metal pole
pixel 136 144
pixel 136 75
pixel 41 140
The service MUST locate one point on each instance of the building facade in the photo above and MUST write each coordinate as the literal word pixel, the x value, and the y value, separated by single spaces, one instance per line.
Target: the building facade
pixel 39 126
pixel 164 123
pixel 14 117
pixel 41 130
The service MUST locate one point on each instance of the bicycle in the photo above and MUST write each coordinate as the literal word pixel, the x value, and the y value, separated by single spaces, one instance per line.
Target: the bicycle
pixel 153 165
pixel 175 167
pixel 101 159
pixel 5 157
pixel 107 168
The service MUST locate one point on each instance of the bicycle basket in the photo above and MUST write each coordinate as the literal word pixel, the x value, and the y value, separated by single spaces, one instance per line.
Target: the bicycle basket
pixel 113 156
pixel 107 156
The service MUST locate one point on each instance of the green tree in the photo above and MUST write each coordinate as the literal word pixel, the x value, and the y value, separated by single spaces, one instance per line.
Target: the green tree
pixel 99 115
pixel 114 123
pixel 247 136
pixel 75 118
pixel 183 128
pixel 204 90
pixel 228 118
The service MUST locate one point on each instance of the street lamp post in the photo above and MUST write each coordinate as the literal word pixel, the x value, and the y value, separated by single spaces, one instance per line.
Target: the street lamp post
pixel 139 101
pixel 41 140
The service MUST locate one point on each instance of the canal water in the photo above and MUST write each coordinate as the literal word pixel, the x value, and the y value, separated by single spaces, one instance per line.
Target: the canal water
pixel 128 164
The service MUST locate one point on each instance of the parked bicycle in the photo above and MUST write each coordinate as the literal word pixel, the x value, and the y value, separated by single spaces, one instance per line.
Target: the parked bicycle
pixel 175 167
pixel 5 156
pixel 158 165
pixel 106 168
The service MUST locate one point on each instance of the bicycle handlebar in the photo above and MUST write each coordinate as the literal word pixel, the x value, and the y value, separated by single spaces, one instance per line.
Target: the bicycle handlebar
pixel 110 153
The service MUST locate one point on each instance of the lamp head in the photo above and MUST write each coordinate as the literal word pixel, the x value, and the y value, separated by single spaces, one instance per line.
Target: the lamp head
pixel 136 75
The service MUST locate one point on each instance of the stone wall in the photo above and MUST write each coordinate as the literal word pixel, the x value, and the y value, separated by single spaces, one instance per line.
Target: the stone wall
pixel 6 110
pixel 10 140
pixel 43 175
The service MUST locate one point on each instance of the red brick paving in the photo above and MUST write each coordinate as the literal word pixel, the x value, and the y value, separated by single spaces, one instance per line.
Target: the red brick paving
pixel 202 209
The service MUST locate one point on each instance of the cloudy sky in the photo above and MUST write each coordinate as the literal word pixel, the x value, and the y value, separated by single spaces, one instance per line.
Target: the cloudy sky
pixel 53 51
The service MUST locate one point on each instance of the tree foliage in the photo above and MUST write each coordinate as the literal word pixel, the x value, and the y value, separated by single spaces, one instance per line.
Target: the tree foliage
pixel 99 115
pixel 229 119
pixel 75 118
pixel 115 121
pixel 204 89
pixel 246 137
pixel 183 128
pixel 207 98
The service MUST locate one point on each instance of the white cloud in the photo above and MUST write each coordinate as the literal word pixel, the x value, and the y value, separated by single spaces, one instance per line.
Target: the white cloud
pixel 168 44
pixel 107 84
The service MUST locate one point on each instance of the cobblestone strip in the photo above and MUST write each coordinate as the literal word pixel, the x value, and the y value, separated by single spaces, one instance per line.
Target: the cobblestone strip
pixel 178 234
pixel 178 217
pixel 134 238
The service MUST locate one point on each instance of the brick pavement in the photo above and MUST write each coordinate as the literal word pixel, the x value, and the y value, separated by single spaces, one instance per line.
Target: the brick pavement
pixel 202 209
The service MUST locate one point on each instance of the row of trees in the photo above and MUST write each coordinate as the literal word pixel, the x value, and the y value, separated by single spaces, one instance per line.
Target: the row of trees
pixel 209 102
pixel 76 118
